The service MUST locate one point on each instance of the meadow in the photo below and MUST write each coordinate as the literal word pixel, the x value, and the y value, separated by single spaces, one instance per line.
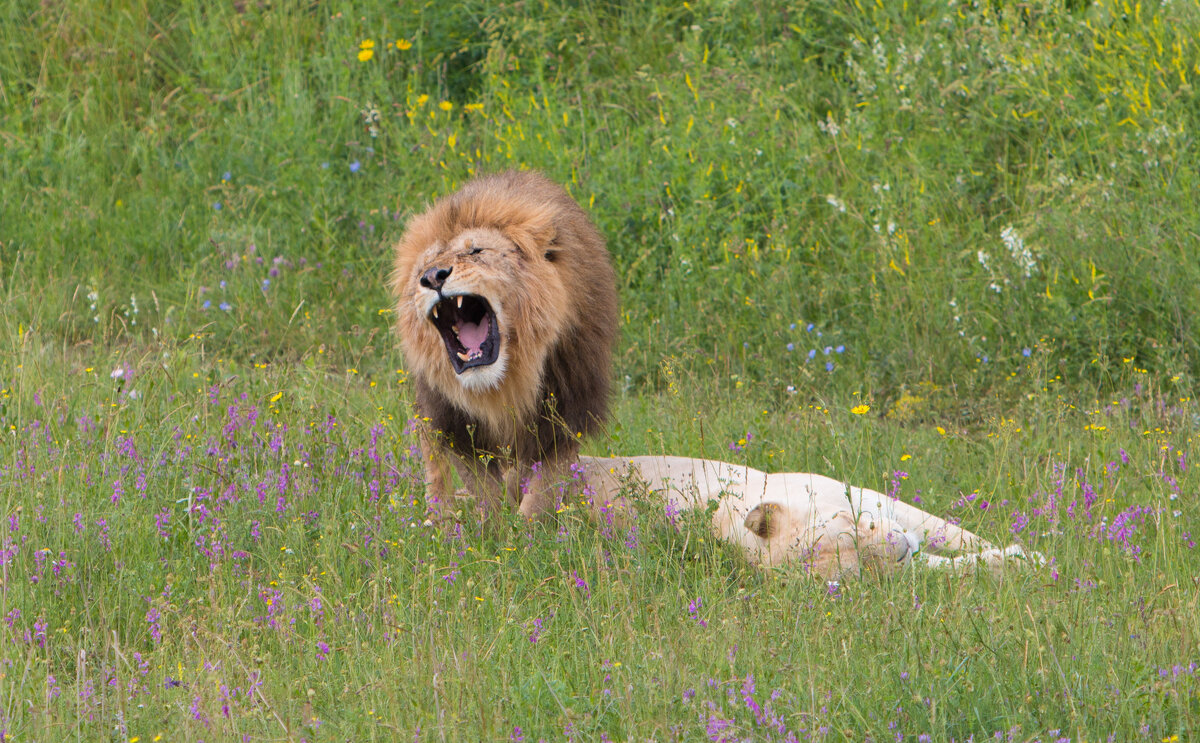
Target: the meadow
pixel 948 250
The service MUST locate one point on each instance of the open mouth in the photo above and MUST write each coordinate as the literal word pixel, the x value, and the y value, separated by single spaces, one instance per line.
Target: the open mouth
pixel 469 330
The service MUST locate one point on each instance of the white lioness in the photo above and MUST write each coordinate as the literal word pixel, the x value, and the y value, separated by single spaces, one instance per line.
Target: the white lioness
pixel 832 528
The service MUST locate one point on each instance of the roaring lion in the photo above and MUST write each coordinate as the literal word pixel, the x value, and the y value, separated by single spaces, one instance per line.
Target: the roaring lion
pixel 506 307
pixel 794 517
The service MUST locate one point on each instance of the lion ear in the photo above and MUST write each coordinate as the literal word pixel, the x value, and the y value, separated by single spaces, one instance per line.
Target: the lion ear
pixel 764 519
pixel 532 230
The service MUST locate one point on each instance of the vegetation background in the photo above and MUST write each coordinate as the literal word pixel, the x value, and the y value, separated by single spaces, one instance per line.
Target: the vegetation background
pixel 944 249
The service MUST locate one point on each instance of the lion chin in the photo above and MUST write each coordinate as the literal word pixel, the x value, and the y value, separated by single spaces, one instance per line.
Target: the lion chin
pixel 507 313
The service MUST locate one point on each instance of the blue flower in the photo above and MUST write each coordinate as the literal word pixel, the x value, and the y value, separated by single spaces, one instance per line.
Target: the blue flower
pixel 225 306
pixel 828 366
pixel 206 305
pixel 792 326
pixel 810 327
pixel 217 205
pixel 266 284
pixel 812 354
pixel 1025 352
pixel 827 350
pixel 354 166
pixel 840 349
pixel 324 166
pixel 227 176
pixel 791 346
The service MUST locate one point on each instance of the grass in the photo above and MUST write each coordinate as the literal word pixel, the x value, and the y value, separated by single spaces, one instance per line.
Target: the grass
pixel 976 220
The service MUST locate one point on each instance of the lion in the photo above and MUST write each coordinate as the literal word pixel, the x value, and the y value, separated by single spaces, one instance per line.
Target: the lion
pixel 506 308
pixel 832 528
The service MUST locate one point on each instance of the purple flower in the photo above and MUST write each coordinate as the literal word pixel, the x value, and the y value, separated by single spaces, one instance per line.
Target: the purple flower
pixel 152 617
pixel 694 611
pixel 581 584
pixel 217 206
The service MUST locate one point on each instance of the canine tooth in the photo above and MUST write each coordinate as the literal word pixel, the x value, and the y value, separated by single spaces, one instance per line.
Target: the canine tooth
pixel 463 356
pixel 435 312
pixel 459 300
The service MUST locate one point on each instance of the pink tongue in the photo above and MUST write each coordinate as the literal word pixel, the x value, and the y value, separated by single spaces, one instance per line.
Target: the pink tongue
pixel 472 336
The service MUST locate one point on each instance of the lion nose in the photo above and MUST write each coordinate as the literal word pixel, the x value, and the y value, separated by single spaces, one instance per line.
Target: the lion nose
pixel 434 278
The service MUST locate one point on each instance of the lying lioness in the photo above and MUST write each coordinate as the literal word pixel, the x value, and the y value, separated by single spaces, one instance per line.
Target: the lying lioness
pixel 816 521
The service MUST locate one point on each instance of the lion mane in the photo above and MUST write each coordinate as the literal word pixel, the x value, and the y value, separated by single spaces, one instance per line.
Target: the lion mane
pixel 506 310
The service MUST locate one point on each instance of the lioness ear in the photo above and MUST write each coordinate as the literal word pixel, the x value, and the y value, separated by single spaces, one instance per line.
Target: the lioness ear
pixel 551 254
pixel 764 519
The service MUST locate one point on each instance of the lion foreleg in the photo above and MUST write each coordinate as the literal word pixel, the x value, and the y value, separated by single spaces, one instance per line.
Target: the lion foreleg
pixel 992 558
pixel 482 480
pixel 439 476
pixel 541 486
pixel 935 534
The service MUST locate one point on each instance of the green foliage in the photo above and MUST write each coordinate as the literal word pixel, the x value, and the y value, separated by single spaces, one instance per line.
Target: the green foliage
pixel 976 219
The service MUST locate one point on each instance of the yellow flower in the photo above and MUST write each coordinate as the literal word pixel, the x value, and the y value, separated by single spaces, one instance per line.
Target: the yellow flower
pixel 403 44
pixel 421 99
pixel 446 105
pixel 367 44
pixel 860 409
pixel 364 55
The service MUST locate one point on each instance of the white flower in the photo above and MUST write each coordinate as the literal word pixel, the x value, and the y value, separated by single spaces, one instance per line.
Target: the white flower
pixel 117 373
pixel 1018 250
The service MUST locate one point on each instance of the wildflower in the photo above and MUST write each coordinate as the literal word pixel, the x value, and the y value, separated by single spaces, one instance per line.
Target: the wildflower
pixel 366 50
pixel 355 166
pixel 828 366
pixel 403 44
pixel 694 611
pixel 1025 352
pixel 791 347
pixel 225 306
pixel 216 206
pixel 860 409
pixel 446 106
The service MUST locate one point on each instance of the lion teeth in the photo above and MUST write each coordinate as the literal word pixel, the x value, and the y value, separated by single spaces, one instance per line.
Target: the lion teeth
pixel 458 299
pixel 463 356
pixel 435 312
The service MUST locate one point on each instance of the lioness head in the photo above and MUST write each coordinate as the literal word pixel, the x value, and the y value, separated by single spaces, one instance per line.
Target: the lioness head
pixel 499 286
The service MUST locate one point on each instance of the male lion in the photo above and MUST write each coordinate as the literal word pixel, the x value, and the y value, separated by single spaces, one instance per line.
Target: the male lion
pixel 796 517
pixel 507 314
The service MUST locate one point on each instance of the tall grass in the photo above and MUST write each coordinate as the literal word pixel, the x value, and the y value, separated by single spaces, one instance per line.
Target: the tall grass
pixel 977 220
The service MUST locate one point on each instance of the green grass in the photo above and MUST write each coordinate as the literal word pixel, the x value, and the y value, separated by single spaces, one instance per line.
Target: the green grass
pixel 225 540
